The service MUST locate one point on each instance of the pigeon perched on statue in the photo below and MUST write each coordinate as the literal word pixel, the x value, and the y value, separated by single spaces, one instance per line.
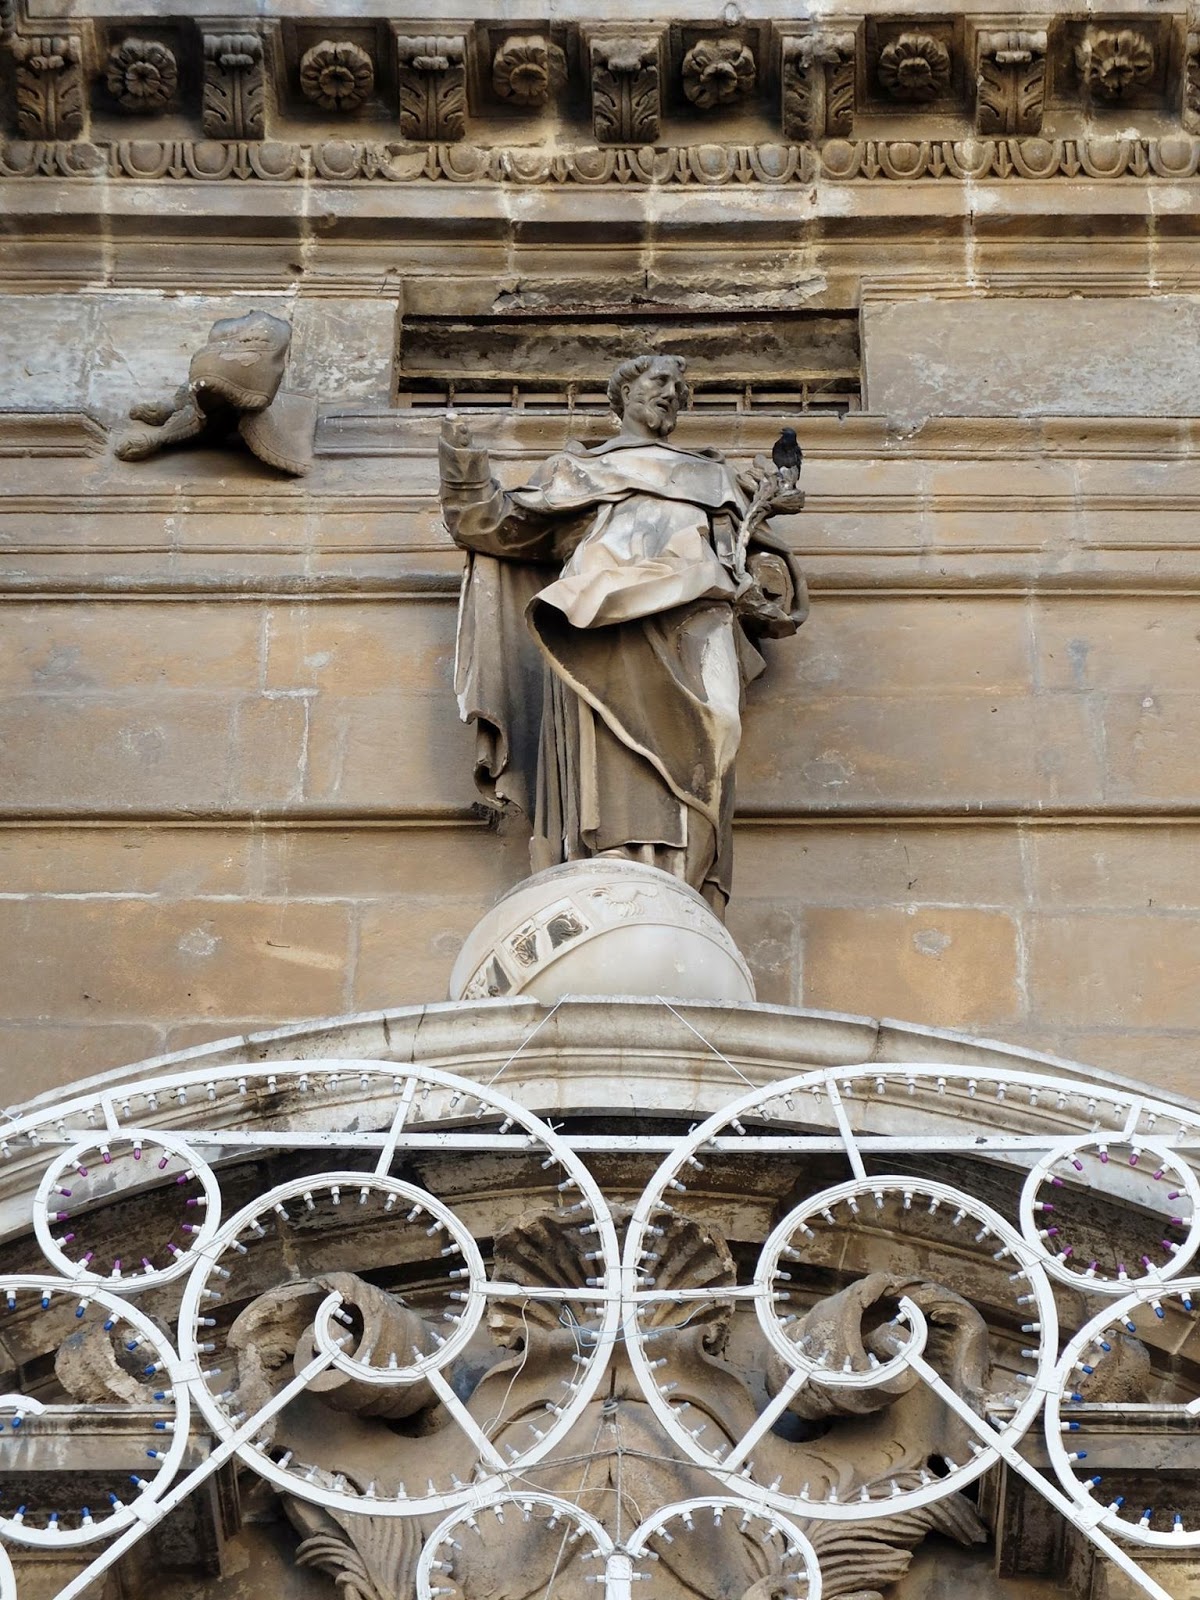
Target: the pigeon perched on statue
pixel 788 458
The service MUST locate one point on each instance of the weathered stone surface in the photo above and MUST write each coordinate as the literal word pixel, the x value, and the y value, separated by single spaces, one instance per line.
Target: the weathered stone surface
pixel 960 965
pixel 987 357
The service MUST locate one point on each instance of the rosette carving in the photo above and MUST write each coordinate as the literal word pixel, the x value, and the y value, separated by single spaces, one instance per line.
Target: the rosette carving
pixel 142 76
pixel 717 71
pixel 914 67
pixel 337 75
pixel 1112 63
pixel 526 68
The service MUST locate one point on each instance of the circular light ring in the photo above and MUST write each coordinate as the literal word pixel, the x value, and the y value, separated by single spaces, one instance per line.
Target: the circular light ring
pixel 87 1154
pixel 798 1543
pixel 604 1295
pixel 498 1503
pixel 1070 1150
pixel 166 1462
pixel 668 1177
pixel 1089 1337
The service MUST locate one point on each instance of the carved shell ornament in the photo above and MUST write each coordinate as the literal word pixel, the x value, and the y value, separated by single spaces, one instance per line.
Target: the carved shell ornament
pixel 716 71
pixel 916 66
pixel 1110 64
pixel 526 68
pixel 337 76
pixel 142 75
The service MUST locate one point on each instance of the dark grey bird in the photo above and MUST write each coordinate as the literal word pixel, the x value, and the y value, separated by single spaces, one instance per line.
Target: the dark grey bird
pixel 788 458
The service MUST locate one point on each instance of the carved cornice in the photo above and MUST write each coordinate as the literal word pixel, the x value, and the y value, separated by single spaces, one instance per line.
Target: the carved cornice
pixel 1172 159
pixel 635 82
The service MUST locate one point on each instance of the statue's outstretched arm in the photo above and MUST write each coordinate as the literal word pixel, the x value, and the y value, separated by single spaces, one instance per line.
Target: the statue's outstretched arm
pixel 480 515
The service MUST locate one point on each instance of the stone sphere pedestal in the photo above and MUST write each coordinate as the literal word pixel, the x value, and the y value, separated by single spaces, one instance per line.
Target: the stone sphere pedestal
pixel 601 927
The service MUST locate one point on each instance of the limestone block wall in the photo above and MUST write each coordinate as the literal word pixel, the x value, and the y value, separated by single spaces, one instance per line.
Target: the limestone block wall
pixel 233 789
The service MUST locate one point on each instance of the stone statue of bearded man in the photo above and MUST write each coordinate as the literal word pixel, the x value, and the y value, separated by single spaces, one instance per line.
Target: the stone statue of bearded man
pixel 607 629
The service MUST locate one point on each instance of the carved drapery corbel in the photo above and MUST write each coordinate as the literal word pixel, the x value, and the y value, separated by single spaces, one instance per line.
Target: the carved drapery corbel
pixel 432 74
pixel 626 88
pixel 1011 82
pixel 817 83
pixel 718 71
pixel 50 88
pixel 234 86
pixel 1114 62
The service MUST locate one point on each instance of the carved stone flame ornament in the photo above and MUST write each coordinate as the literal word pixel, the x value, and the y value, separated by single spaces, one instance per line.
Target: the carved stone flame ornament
pixel 716 71
pixel 337 75
pixel 594 1368
pixel 915 67
pixel 1110 64
pixel 526 68
pixel 142 75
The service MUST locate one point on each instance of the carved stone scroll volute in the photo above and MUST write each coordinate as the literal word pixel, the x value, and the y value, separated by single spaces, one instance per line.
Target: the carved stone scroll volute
pixel 817 85
pixel 50 88
pixel 626 88
pixel 433 86
pixel 1012 83
pixel 234 86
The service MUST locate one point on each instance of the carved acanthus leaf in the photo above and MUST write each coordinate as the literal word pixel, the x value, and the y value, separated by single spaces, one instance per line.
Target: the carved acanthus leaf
pixel 1012 82
pixel 1191 83
pixel 717 71
pixel 433 86
pixel 1113 62
pixel 234 86
pixel 817 84
pixel 626 88
pixel 50 87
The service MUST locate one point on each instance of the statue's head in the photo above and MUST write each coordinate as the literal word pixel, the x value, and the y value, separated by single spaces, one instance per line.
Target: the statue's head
pixel 648 392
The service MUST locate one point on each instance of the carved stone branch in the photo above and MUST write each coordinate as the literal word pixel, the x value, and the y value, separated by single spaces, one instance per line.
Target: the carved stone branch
pixel 914 67
pixel 1113 62
pixel 817 84
pixel 433 86
pixel 718 71
pixel 1011 83
pixel 626 88
pixel 50 87
pixel 234 86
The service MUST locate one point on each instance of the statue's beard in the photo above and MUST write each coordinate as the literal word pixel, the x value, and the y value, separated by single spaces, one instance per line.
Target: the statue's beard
pixel 657 416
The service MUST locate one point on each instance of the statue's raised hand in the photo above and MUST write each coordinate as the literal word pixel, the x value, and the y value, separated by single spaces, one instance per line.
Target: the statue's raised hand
pixel 461 462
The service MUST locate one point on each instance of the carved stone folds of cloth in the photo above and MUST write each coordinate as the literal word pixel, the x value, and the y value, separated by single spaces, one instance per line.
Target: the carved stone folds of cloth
pixel 607 699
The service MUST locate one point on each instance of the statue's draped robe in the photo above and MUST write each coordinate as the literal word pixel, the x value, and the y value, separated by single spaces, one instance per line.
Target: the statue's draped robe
pixel 598 654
